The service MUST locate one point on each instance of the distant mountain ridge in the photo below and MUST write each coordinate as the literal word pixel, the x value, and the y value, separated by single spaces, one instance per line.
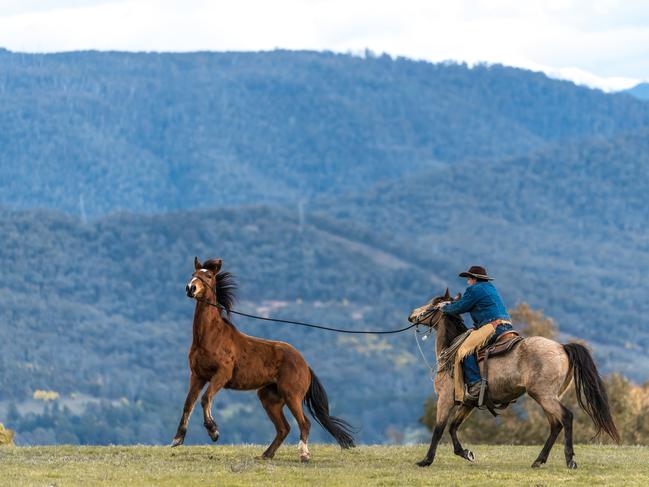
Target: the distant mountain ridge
pixel 641 91
pixel 158 132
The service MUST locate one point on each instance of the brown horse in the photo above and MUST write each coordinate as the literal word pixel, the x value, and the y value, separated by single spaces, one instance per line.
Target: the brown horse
pixel 223 357
pixel 541 367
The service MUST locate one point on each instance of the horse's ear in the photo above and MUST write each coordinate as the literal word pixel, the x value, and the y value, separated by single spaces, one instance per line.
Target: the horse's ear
pixel 218 264
pixel 447 295
pixel 197 264
pixel 458 296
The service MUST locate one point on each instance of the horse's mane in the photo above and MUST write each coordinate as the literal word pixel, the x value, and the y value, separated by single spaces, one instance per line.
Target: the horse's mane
pixel 225 287
pixel 454 326
pixel 455 332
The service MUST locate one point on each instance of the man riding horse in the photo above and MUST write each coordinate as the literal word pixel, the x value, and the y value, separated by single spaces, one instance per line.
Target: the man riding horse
pixel 537 366
pixel 490 319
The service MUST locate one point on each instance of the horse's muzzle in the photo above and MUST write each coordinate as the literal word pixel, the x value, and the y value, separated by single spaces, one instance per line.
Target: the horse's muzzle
pixel 190 290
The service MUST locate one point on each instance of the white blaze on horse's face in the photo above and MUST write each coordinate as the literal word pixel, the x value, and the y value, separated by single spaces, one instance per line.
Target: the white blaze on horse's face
pixel 417 312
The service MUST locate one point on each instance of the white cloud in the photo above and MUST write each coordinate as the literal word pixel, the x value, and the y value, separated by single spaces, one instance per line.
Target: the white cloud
pixel 565 38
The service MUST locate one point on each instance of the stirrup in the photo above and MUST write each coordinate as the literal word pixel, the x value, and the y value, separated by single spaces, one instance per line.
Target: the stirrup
pixel 483 391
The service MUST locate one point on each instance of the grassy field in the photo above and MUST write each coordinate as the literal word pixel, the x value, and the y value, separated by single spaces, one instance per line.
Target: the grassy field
pixel 363 466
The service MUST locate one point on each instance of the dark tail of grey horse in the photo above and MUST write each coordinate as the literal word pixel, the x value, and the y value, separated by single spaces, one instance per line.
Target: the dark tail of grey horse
pixel 318 405
pixel 590 390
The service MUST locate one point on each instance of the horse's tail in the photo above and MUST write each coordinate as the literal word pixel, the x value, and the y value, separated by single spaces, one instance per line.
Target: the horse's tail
pixel 590 390
pixel 317 403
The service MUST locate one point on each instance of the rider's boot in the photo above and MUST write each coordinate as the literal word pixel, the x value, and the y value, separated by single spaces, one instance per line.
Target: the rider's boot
pixel 472 392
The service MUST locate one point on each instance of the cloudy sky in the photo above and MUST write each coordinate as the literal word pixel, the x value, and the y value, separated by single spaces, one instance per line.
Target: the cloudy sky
pixel 603 43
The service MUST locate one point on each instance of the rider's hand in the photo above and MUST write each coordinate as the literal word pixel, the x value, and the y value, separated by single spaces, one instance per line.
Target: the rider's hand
pixel 441 305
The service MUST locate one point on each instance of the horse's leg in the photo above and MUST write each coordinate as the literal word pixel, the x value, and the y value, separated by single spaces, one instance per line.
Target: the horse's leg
pixel 552 408
pixel 195 386
pixel 566 419
pixel 460 415
pixel 217 382
pixel 445 404
pixel 273 403
pixel 294 403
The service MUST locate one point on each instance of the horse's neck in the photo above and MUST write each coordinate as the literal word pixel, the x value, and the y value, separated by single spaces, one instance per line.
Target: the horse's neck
pixel 207 321
pixel 444 335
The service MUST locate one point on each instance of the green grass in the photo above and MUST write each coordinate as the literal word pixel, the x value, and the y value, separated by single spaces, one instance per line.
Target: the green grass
pixel 329 466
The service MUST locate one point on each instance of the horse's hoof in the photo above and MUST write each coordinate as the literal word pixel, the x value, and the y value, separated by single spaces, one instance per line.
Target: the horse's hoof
pixel 572 465
pixel 424 463
pixel 468 454
pixel 263 457
pixel 213 431
pixel 177 442
pixel 537 464
pixel 304 458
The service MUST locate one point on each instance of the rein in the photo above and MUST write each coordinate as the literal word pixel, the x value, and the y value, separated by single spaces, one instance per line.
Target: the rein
pixel 299 323
pixel 432 370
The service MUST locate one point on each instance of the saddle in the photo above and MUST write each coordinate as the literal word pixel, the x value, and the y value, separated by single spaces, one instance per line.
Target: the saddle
pixel 503 344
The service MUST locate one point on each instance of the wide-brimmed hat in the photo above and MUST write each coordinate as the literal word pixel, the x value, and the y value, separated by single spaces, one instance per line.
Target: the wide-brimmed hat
pixel 476 272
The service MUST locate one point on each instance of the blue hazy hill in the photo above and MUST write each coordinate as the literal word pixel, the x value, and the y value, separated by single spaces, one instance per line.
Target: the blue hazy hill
pixel 98 312
pixel 641 91
pixel 564 229
pixel 339 189
pixel 95 132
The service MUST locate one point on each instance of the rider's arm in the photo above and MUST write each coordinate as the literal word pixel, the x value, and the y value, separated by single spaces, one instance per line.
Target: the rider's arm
pixel 462 305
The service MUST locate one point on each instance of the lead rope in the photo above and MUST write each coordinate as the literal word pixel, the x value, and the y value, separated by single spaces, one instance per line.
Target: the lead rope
pixel 298 323
pixel 320 327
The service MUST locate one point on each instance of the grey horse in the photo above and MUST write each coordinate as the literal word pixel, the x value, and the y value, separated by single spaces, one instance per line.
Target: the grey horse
pixel 540 367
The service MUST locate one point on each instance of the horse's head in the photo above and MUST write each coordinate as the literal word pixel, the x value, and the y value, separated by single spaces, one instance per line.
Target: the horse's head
pixel 426 314
pixel 203 279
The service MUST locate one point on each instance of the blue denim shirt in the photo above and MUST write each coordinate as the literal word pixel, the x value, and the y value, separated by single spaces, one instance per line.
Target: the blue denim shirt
pixel 482 301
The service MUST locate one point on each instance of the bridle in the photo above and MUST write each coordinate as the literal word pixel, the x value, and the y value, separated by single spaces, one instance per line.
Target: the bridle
pixel 429 314
pixel 207 285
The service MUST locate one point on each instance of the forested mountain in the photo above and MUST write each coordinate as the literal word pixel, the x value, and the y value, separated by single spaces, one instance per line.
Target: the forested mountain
pixel 94 132
pixel 640 90
pixel 565 228
pixel 98 311
pixel 338 189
